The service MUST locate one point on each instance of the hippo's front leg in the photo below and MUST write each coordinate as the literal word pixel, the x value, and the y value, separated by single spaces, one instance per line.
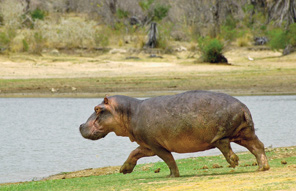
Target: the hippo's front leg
pixel 135 155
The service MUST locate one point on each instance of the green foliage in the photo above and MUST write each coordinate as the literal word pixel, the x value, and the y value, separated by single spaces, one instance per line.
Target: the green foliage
pixel 211 49
pixel 155 12
pixel 248 8
pixel 4 39
pixel 102 39
pixel 145 4
pixel 163 40
pixel 277 39
pixel 228 30
pixel 160 12
pixel 228 33
pixel 6 36
pixel 38 14
pixel 39 42
pixel 25 46
pixel 280 38
pixel 121 14
pixel 291 35
pixel 230 22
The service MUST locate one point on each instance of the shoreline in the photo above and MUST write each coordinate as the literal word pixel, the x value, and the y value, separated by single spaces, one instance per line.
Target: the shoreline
pixel 115 169
pixel 131 94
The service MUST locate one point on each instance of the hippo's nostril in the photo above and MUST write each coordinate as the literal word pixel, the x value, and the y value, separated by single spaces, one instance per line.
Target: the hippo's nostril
pixel 81 127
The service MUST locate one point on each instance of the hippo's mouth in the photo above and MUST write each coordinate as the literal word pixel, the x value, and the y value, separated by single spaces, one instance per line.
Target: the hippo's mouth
pixel 96 131
pixel 92 131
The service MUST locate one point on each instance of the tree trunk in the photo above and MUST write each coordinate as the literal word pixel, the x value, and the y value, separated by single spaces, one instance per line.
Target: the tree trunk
pixel 282 12
pixel 112 6
pixel 28 5
pixel 152 37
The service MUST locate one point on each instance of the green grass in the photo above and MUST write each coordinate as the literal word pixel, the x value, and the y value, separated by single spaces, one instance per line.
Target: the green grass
pixel 144 177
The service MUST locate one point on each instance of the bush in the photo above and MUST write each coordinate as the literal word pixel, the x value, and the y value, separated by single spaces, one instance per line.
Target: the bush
pixel 228 34
pixel 25 46
pixel 37 14
pixel 163 38
pixel 277 39
pixel 156 12
pixel 160 12
pixel 291 35
pixel 4 40
pixel 243 41
pixel 228 29
pixel 6 37
pixel 211 50
pixel 145 4
pixel 101 39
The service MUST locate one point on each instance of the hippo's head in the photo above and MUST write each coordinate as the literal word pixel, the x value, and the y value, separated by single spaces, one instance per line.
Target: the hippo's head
pixel 100 123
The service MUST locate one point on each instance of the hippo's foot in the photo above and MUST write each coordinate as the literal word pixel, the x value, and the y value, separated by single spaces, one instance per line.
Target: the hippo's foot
pixel 263 167
pixel 173 175
pixel 263 163
pixel 127 168
pixel 233 160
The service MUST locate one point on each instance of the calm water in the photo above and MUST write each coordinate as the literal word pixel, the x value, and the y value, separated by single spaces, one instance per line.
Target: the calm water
pixel 40 137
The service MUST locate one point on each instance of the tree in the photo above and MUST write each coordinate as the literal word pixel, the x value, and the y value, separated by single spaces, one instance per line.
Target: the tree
pixel 282 12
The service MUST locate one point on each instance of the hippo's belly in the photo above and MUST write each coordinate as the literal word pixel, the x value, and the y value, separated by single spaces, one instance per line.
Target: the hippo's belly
pixel 185 144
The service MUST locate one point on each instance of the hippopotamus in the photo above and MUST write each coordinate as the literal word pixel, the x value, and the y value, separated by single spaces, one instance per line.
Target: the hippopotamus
pixel 183 123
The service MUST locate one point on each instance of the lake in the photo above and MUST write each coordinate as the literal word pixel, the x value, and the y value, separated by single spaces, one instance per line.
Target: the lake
pixel 40 136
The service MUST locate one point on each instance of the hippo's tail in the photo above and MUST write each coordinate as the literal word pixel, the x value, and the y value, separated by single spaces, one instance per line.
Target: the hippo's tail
pixel 248 118
pixel 247 122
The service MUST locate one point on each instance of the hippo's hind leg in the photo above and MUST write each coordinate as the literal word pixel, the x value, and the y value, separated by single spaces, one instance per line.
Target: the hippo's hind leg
pixel 248 139
pixel 135 155
pixel 224 146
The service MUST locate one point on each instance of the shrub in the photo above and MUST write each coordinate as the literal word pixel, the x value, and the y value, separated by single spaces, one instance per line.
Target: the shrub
pixel 228 29
pixel 4 40
pixel 101 39
pixel 6 37
pixel 243 41
pixel 38 14
pixel 277 39
pixel 156 12
pixel 145 4
pixel 163 37
pixel 211 50
pixel 291 34
pixel 160 12
pixel 121 14
pixel 25 46
pixel 228 33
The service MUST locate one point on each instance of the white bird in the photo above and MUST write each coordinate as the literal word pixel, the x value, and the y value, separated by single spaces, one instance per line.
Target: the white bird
pixel 250 58
pixel 53 90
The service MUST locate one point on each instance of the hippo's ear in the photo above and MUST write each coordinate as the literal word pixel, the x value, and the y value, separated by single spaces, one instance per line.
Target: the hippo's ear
pixel 106 99
pixel 98 109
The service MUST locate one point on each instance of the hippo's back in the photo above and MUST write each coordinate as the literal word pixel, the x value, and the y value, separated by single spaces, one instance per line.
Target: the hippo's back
pixel 194 116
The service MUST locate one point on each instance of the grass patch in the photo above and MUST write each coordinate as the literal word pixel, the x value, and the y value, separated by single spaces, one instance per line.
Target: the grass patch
pixel 193 176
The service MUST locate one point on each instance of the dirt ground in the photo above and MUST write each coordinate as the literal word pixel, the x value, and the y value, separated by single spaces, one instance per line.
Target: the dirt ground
pixel 113 65
pixel 250 70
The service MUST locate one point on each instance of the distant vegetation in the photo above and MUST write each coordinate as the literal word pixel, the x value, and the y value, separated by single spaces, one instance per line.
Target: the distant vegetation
pixel 37 25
